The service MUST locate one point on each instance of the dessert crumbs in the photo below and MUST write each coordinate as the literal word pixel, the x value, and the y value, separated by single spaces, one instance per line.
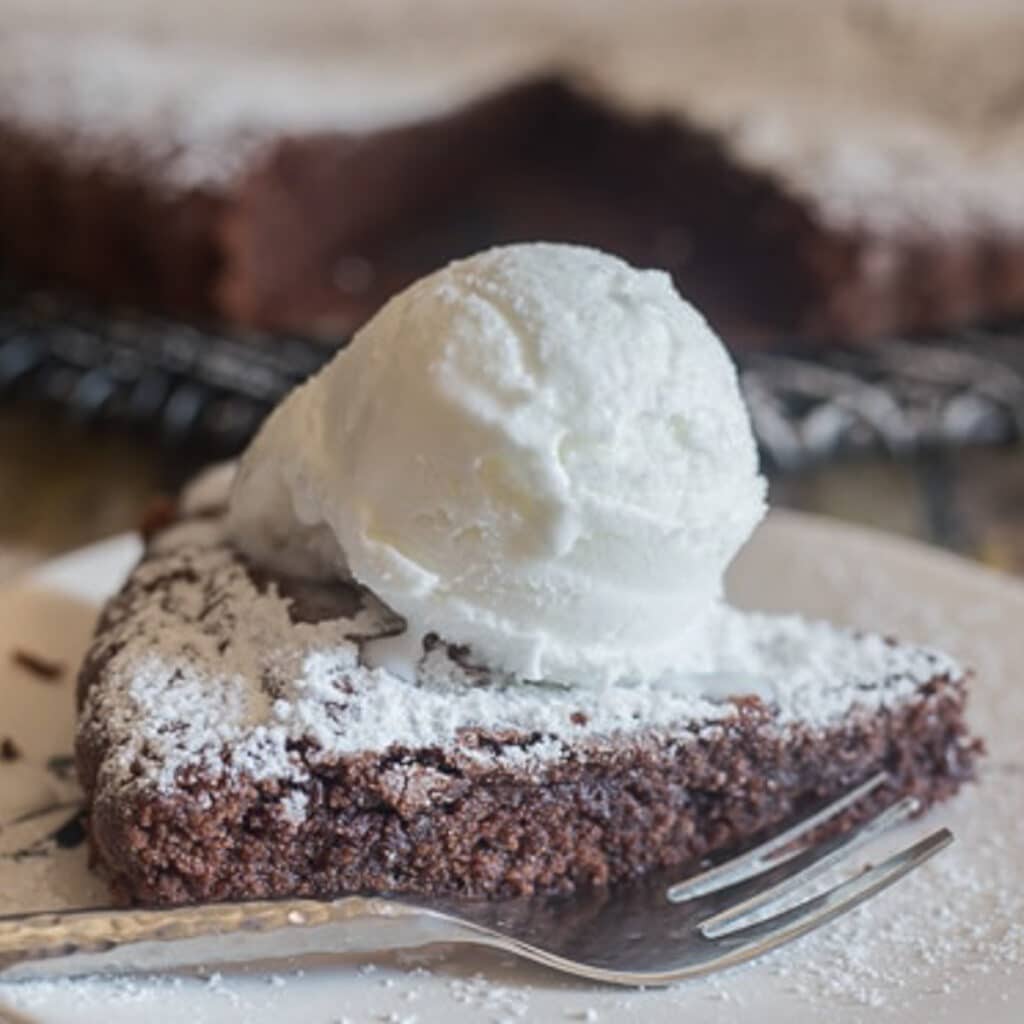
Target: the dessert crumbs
pixel 40 666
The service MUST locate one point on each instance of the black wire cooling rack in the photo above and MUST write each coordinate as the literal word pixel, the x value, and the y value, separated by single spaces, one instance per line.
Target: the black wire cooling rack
pixel 192 385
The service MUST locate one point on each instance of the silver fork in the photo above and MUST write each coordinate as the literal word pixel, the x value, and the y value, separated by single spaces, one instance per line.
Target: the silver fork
pixel 651 932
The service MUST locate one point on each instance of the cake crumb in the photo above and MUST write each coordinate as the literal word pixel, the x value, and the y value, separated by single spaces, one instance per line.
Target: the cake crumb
pixel 269 685
pixel 48 669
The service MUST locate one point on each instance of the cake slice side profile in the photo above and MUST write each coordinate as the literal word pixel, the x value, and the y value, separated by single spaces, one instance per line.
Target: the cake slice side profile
pixel 212 772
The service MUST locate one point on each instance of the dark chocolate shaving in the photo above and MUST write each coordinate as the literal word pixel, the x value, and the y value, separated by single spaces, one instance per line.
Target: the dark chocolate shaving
pixel 39 665
pixel 72 833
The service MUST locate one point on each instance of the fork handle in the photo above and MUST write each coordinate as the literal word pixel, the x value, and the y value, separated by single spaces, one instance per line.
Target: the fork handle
pixel 78 942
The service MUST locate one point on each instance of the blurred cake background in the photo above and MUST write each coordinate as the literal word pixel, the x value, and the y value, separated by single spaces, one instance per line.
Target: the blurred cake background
pixel 198 202
pixel 836 170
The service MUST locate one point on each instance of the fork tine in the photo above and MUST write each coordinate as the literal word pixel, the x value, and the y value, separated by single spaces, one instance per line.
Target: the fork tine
pixel 744 898
pixel 760 857
pixel 743 943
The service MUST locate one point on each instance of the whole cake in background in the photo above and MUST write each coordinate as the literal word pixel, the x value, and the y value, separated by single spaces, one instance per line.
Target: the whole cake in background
pixel 460 626
pixel 802 169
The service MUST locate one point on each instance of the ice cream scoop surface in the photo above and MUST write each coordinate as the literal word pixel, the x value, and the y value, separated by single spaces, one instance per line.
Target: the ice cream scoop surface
pixel 539 452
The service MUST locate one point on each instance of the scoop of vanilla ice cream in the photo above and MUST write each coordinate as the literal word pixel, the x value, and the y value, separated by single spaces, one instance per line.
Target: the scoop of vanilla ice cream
pixel 539 452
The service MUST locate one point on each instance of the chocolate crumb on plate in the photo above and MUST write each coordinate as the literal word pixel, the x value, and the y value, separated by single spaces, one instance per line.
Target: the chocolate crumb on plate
pixel 71 833
pixel 39 665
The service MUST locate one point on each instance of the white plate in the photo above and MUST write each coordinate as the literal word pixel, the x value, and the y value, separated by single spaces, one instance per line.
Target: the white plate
pixel 945 943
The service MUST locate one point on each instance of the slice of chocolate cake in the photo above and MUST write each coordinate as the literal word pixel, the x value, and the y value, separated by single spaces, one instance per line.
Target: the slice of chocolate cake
pixel 864 184
pixel 233 744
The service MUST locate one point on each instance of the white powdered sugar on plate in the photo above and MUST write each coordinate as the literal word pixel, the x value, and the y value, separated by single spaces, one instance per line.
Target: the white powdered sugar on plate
pixel 198 660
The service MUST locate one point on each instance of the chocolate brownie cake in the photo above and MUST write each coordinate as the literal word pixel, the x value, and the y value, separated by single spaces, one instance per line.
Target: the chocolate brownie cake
pixel 233 743
pixel 860 185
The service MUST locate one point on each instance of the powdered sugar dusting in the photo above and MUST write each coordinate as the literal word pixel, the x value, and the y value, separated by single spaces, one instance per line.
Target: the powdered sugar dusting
pixel 199 660
pixel 901 117
pixel 196 115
